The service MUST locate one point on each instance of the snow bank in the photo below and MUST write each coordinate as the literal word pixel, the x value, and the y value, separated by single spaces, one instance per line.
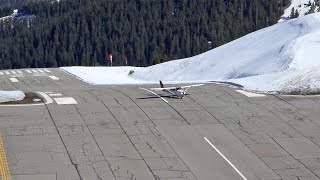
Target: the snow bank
pixel 103 75
pixel 6 96
pixel 282 57
pixel 306 81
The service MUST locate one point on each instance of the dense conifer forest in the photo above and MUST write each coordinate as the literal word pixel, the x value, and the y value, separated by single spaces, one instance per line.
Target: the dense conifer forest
pixel 136 32
pixel 13 3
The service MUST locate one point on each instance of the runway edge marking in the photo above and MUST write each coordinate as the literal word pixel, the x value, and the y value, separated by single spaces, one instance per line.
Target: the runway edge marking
pixel 226 159
pixel 5 172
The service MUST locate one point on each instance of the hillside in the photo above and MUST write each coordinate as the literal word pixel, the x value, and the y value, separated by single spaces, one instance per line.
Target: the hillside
pixel 298 8
pixel 278 58
pixel 136 32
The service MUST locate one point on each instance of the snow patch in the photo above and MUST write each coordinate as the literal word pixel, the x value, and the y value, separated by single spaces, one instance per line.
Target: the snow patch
pixel 6 96
pixel 103 75
pixel 18 15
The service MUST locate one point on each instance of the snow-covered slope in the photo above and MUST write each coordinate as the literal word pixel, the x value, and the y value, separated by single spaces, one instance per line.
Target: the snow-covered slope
pixel 302 6
pixel 282 57
pixel 281 47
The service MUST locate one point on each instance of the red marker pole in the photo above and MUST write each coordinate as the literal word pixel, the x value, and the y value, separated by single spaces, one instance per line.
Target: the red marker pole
pixel 110 57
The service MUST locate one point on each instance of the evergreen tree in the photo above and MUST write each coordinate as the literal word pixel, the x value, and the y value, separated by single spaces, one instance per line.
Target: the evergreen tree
pixel 292 15
pixel 139 32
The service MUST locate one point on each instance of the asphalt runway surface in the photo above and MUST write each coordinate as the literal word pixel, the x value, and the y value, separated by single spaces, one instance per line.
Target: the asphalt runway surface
pixel 122 132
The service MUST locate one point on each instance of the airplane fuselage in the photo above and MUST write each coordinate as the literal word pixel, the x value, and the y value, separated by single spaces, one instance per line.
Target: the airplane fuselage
pixel 179 93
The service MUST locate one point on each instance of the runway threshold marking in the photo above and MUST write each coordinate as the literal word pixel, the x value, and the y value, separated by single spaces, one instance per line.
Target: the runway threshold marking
pixel 226 159
pixel 1 73
pixel 4 168
pixel 250 94
pixel 46 70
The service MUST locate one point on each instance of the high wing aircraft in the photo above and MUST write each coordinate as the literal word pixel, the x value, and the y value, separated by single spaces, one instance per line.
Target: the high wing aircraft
pixel 178 92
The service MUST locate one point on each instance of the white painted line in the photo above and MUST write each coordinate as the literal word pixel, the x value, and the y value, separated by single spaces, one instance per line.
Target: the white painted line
pixel 250 94
pixel 300 96
pixel 13 72
pixel 7 72
pixel 36 80
pixel 14 80
pixel 233 166
pixel 1 73
pixel 40 70
pixel 46 97
pixel 20 105
pixel 53 77
pixel 65 100
pixel 28 71
pixel 155 94
pixel 34 71
pixel 46 70
pixel 20 72
pixel 48 92
pixel 55 95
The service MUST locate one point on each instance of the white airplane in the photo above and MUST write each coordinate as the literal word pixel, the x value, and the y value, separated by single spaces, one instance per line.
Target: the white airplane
pixel 178 92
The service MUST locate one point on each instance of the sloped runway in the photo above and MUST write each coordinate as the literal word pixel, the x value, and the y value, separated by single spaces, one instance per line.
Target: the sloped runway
pixel 121 132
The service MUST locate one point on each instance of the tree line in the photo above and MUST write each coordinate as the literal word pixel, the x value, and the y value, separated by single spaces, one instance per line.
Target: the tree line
pixel 136 32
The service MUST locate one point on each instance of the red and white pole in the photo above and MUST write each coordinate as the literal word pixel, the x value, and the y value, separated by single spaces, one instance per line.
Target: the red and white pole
pixel 110 58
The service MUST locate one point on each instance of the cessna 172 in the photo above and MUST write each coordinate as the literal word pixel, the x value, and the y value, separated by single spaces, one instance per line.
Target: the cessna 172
pixel 178 92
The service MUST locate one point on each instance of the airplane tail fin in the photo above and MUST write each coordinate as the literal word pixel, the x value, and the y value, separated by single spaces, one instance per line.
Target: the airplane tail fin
pixel 161 85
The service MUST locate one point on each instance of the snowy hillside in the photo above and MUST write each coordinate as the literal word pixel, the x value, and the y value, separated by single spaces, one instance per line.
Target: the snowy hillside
pixel 302 7
pixel 282 57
